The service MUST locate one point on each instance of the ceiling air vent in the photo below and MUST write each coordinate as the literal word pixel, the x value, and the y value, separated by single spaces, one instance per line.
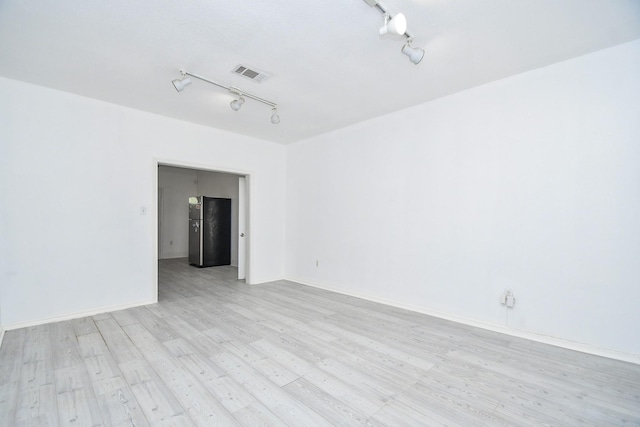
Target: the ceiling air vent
pixel 250 73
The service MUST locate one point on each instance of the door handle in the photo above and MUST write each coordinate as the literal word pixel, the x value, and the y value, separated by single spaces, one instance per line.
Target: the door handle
pixel 241 234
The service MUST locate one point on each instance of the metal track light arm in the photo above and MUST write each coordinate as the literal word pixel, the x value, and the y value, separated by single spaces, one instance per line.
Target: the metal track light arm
pixel 231 89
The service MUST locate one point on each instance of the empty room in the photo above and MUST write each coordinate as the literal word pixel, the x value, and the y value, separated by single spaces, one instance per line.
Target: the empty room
pixel 295 213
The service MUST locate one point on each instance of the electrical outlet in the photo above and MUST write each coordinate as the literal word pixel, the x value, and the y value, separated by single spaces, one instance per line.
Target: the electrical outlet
pixel 507 298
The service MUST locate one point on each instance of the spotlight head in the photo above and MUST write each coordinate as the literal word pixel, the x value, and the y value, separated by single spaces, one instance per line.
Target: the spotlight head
pixel 396 25
pixel 275 118
pixel 180 84
pixel 237 103
pixel 415 54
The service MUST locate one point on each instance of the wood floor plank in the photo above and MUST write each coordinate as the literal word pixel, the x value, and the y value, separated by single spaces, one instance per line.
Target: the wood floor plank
pixel 455 385
pixel 37 407
pixel 256 414
pixel 197 339
pixel 452 404
pixel 124 317
pixel 199 404
pixel 11 353
pixel 399 414
pixel 229 393
pixel 36 374
pixel 115 398
pixel 545 389
pixel 119 344
pixel 158 326
pixel 371 359
pixel 9 398
pixel 370 382
pixel 305 345
pixel 156 400
pixel 378 346
pixel 233 396
pixel 37 369
pixel 66 353
pixel 37 398
pixel 268 394
pixel 243 351
pixel 274 372
pixel 281 324
pixel 119 404
pixel 363 401
pixel 285 358
pixel 84 325
pixel 97 357
pixel 337 411
pixel 37 344
pixel 77 403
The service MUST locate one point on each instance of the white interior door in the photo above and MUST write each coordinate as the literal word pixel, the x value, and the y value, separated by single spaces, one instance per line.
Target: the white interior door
pixel 242 225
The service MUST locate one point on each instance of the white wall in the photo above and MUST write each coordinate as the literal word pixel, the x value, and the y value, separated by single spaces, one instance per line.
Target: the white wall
pixel 223 185
pixel 175 186
pixel 530 183
pixel 3 237
pixel 2 249
pixel 76 172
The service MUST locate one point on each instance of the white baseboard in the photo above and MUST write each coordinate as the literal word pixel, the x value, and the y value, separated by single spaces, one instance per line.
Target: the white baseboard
pixel 555 341
pixel 261 280
pixel 173 256
pixel 75 315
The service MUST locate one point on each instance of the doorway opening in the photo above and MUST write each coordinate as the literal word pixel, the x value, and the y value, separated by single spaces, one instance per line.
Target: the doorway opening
pixel 175 184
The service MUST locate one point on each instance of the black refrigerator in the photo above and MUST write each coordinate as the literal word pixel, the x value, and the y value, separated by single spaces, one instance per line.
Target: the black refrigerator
pixel 209 231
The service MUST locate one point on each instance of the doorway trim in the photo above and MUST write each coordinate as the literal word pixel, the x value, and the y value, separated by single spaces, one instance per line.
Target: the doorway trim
pixel 243 227
pixel 249 197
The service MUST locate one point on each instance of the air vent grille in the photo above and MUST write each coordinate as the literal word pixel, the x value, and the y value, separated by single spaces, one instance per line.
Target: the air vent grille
pixel 250 73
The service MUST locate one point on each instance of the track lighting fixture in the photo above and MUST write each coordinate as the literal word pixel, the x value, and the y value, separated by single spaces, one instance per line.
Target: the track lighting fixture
pixel 275 118
pixel 398 25
pixel 180 84
pixel 236 104
pixel 415 54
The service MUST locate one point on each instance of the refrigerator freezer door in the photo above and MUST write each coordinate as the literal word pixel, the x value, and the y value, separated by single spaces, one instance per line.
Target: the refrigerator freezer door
pixel 216 231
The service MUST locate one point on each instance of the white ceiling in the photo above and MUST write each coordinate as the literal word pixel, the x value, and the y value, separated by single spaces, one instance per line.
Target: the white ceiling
pixel 329 67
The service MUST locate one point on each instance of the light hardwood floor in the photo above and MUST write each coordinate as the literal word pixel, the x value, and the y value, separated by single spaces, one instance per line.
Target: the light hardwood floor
pixel 215 351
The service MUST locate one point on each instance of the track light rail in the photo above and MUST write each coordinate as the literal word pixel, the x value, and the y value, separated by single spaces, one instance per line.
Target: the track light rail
pixel 232 89
pixel 236 104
